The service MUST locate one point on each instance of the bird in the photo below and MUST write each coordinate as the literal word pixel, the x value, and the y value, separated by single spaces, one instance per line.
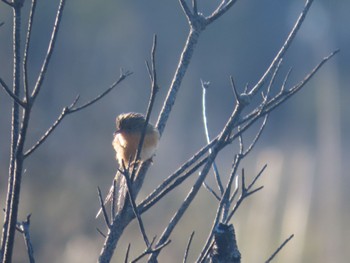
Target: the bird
pixel 129 128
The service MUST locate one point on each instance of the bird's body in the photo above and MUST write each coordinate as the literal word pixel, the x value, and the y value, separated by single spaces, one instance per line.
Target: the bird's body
pixel 128 135
pixel 125 143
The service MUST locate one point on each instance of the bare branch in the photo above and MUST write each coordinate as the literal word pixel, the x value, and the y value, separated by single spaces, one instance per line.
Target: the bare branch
pixel 221 142
pixel 71 109
pixel 49 51
pixel 194 7
pixel 104 212
pixel 272 81
pixel 185 59
pixel 257 136
pixel 234 89
pixel 177 173
pixel 123 76
pixel 114 195
pixel 188 247
pixel 206 186
pixel 145 205
pixel 15 169
pixel 285 81
pixel 127 254
pixel 47 133
pixel 279 248
pixel 257 177
pixel 12 95
pixel 245 192
pixel 282 97
pixel 222 209
pixel 222 9
pixel 23 228
pixel 227 218
pixel 26 49
pixel 154 91
pixel 126 174
pixel 151 251
pixel 284 48
pixel 186 10
pixel 205 86
pixel 8 3
pixel 100 232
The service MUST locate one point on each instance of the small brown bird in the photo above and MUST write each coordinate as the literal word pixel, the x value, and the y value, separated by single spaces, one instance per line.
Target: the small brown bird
pixel 126 141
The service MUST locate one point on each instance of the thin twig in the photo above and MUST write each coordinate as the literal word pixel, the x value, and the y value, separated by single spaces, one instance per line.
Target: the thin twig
pixel 23 228
pixel 127 254
pixel 72 109
pixel 11 94
pixel 151 251
pixel 154 91
pixel 144 206
pixel 126 174
pixel 195 7
pixel 123 76
pixel 114 195
pixel 188 247
pixel 105 216
pixel 26 49
pixel 285 81
pixel 257 136
pixel 205 86
pixel 219 212
pixel 222 9
pixel 50 49
pixel 246 192
pixel 234 89
pixel 284 48
pixel 186 10
pixel 177 173
pixel 227 218
pixel 101 233
pixel 206 186
pixel 64 112
pixel 195 188
pixel 8 3
pixel 279 248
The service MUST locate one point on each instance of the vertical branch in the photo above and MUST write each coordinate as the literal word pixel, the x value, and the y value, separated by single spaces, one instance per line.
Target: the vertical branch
pixel 49 50
pixel 14 129
pixel 26 49
pixel 206 130
pixel 154 90
pixel 185 59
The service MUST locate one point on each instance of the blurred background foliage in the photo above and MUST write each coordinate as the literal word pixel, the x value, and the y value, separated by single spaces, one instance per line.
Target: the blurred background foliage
pixel 305 144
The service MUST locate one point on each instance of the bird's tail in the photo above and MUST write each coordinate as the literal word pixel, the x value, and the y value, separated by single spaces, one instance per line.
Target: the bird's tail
pixel 120 191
